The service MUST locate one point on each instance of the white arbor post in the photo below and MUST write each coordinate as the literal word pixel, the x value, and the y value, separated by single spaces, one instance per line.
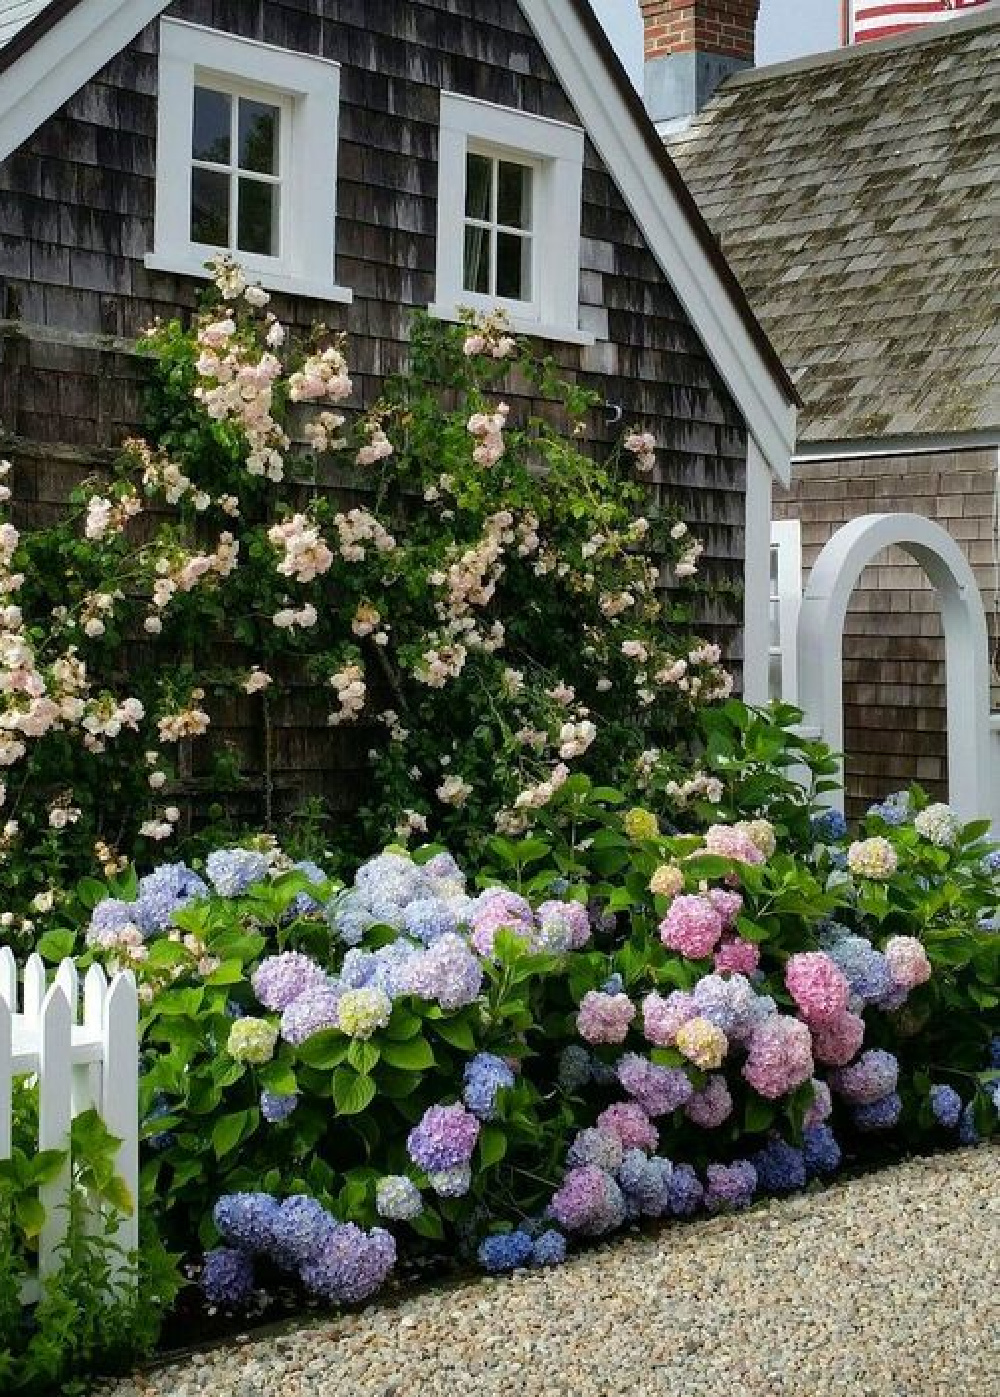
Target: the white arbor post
pixel 834 576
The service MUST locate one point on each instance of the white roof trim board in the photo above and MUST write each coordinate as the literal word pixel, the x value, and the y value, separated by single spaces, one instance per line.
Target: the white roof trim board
pixel 68 55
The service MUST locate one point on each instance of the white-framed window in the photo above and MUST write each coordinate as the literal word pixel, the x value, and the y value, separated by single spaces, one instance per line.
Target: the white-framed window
pixel 785 600
pixel 509 206
pixel 246 159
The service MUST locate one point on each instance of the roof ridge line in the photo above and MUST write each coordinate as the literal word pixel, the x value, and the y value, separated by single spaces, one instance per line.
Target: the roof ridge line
pixel 979 19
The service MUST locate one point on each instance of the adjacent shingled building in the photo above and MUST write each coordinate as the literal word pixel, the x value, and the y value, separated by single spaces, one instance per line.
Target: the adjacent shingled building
pixel 857 197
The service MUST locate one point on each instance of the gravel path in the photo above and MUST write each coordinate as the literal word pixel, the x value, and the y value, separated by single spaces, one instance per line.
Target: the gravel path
pixel 885 1286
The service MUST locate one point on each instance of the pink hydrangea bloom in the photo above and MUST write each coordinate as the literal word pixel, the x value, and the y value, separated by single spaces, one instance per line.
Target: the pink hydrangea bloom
pixel 661 1018
pixel 604 1018
pixel 712 1105
pixel 739 956
pixel 731 843
pixel 818 986
pixel 729 905
pixel 692 926
pixel 496 909
pixel 565 925
pixel 780 1056
pixel 836 1042
pixel 907 961
pixel 630 1123
pixel 703 1043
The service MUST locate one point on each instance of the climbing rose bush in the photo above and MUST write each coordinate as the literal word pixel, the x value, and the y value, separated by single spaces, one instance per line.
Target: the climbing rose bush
pixel 337 1079
pixel 478 599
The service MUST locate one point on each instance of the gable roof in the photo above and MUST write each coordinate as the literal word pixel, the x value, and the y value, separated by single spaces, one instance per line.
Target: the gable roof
pixel 15 14
pixel 857 196
pixel 68 41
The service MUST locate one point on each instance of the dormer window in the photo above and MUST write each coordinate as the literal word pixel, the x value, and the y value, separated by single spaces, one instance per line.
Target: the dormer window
pixel 246 160
pixel 509 208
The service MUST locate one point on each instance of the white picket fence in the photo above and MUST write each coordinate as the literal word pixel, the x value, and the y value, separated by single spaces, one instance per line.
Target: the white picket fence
pixel 81 1042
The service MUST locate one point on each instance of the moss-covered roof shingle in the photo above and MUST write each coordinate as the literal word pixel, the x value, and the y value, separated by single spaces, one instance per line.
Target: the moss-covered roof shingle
pixel 857 198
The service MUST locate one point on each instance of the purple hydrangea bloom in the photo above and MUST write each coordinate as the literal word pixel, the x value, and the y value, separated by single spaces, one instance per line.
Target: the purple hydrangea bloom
pixel 444 1138
pixel 589 1202
pixel 995 1050
pixel 730 1186
pixel 820 1150
pixel 232 872
pixel 505 1251
pixel 881 1114
pixel 301 1227
pixel 303 903
pixel 246 1220
pixel 443 865
pixel 712 1105
pixel 574 1068
pixel 112 914
pixel 658 1090
pixel 279 980
pixel 781 1168
pixel 485 1076
pixel 946 1105
pixel 447 972
pixel 873 1076
pixel 310 1013
pixel 549 1249
pixel 565 925
pixel 275 1107
pixel 646 1184
pixel 227 1277
pixel 351 1265
pixel 602 1148
pixel 865 969
pixel 728 1001
pixel 686 1193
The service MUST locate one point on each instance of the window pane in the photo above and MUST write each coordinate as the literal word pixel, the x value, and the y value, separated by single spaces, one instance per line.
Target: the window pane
pixel 477 260
pixel 514 195
pixel 210 208
pixel 513 267
pixel 212 116
pixel 258 137
pixel 478 179
pixel 258 217
pixel 774 676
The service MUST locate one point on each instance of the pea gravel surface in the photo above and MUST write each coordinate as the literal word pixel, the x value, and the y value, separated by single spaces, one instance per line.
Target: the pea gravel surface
pixel 884 1285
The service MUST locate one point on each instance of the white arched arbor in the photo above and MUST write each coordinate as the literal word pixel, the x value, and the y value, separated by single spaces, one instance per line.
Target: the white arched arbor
pixel 834 576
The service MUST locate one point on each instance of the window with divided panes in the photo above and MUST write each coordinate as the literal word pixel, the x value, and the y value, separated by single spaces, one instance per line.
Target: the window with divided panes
pixel 499 239
pixel 236 174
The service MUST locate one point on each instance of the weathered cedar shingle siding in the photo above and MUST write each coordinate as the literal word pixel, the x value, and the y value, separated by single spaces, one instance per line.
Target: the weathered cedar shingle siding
pixel 76 217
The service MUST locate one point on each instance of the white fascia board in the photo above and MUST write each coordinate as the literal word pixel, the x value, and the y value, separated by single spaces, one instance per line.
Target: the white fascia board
pixel 769 417
pixel 757 578
pixel 65 59
pixel 857 449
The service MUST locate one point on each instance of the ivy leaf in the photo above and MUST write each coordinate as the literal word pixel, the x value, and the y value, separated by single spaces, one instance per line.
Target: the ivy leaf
pixel 352 1093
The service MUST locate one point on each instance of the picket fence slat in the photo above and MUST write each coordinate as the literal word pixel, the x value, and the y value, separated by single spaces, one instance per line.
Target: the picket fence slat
pixel 81 1043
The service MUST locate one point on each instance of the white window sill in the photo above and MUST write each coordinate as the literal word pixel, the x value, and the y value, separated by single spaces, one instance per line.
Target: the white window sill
pixel 182 265
pixel 564 334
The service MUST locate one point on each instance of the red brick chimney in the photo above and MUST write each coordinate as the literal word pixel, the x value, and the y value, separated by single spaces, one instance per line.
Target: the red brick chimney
pixel 691 46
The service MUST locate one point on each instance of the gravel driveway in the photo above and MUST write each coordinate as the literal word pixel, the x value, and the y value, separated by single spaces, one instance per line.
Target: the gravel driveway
pixel 884 1286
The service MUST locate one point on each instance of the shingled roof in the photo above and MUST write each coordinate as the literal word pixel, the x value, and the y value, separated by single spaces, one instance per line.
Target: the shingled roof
pixel 857 198
pixel 15 14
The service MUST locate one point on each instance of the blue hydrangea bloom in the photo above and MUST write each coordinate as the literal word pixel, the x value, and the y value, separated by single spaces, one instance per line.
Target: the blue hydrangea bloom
pixel 549 1249
pixel 946 1105
pixel 829 826
pixel 246 1220
pixel 968 1133
pixel 232 872
pixel 299 1230
pixel 881 1114
pixel 894 810
pixel 428 918
pixel 112 914
pixel 991 862
pixel 351 1264
pixel 867 971
pixel 995 1050
pixel 162 892
pixel 781 1168
pixel 165 1138
pixel 227 1277
pixel 614 984
pixel 349 917
pixel 485 1076
pixel 820 1150
pixel 303 904
pixel 686 1193
pixel 653 1193
pixel 276 1108
pixel 506 1251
